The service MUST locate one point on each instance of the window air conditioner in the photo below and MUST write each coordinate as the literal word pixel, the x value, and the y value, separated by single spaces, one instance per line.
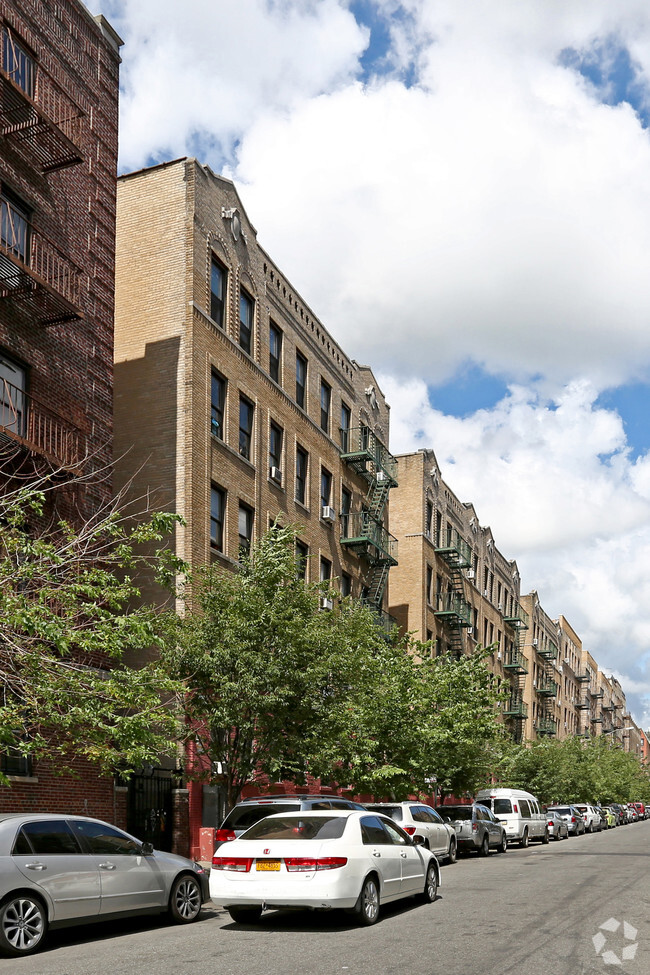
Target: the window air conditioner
pixel 535 641
pixel 324 603
pixel 500 607
pixel 498 655
pixel 485 593
pixel 471 574
pixel 381 476
pixel 328 513
pixel 276 475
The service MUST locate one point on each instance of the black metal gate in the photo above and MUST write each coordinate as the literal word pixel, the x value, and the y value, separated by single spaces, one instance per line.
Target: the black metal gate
pixel 149 809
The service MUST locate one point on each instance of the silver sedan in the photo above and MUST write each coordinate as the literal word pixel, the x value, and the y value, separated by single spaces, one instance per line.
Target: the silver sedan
pixel 56 870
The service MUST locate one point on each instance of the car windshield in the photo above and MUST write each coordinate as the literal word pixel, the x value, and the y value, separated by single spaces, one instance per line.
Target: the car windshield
pixel 297 828
pixel 452 814
pixel 562 810
pixel 501 806
pixel 395 812
pixel 245 816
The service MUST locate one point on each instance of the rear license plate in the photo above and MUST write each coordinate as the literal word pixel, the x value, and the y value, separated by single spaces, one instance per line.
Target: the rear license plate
pixel 267 865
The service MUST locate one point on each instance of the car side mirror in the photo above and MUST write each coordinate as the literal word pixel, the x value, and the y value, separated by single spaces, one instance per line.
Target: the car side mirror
pixel 418 840
pixel 147 849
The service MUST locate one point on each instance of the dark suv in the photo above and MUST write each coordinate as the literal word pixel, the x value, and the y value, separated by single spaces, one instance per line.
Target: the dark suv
pixel 249 811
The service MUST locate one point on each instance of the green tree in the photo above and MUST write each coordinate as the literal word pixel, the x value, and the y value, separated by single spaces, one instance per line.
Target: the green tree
pixel 69 616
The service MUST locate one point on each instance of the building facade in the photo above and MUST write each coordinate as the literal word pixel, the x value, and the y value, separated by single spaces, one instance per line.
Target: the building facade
pixel 59 75
pixel 234 405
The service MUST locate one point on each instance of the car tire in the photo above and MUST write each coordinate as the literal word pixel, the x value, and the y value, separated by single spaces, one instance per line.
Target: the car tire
pixel 523 842
pixel 484 848
pixel 245 915
pixel 23 925
pixel 503 845
pixel 366 909
pixel 545 837
pixel 430 891
pixel 185 899
pixel 452 856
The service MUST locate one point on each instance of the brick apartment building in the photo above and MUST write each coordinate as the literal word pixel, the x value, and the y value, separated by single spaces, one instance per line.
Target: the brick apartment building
pixel 58 157
pixel 233 404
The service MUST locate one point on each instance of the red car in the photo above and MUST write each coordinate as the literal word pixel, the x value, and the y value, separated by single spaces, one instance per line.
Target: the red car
pixel 640 808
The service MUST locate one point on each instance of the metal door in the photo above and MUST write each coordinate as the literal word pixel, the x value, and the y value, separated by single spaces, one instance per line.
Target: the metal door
pixel 149 809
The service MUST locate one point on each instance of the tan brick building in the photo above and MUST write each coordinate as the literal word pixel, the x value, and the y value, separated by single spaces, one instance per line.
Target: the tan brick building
pixel 59 78
pixel 233 403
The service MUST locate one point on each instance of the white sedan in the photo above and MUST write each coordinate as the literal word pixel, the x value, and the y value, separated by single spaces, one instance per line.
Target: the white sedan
pixel 321 860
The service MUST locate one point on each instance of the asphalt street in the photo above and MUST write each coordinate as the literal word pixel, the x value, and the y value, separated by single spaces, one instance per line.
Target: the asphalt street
pixel 528 911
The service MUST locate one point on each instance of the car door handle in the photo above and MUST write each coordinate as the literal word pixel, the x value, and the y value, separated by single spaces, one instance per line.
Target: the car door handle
pixel 35 866
pixel 376 854
pixel 403 855
pixel 107 866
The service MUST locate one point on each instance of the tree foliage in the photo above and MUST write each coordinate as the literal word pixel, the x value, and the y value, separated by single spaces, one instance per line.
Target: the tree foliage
pixel 280 689
pixel 69 616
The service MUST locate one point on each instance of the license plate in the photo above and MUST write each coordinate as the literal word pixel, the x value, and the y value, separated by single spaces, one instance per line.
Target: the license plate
pixel 267 865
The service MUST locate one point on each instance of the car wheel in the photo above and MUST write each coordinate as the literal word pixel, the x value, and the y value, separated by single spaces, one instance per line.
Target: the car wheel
pixel 430 885
pixel 503 845
pixel 484 848
pixel 367 906
pixel 453 852
pixel 185 899
pixel 523 842
pixel 545 837
pixel 23 923
pixel 245 915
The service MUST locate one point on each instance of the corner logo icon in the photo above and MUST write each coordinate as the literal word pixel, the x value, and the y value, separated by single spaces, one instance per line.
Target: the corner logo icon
pixel 626 936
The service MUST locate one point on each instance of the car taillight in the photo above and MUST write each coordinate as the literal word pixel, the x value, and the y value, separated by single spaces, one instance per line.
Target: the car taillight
pixel 409 829
pixel 224 835
pixel 550 822
pixel 238 864
pixel 308 864
pixel 514 807
pixel 573 819
pixel 474 827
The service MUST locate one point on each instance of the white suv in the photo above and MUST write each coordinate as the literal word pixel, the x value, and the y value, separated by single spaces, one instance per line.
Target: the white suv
pixel 418 819
pixel 591 817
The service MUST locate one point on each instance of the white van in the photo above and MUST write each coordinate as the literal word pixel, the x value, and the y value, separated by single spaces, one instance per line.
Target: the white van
pixel 520 813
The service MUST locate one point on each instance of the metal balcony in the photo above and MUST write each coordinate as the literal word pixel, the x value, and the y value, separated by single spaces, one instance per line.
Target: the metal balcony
pixel 36 114
pixel 584 704
pixel 34 274
pixel 451 607
pixel 365 535
pixel 598 695
pixel 363 450
pixel 515 662
pixel 548 651
pixel 547 687
pixel 583 677
pixel 517 617
pixel 546 727
pixel 451 547
pixel 516 707
pixel 35 427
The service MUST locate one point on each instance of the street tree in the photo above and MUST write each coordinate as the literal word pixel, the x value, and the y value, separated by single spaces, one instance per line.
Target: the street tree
pixel 70 623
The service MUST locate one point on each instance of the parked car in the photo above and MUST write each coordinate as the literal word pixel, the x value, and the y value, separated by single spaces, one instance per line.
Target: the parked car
pixel 58 870
pixel 558 828
pixel 619 812
pixel 632 814
pixel 607 816
pixel 572 817
pixel 249 811
pixel 476 828
pixel 641 810
pixel 322 860
pixel 590 815
pixel 520 813
pixel 416 818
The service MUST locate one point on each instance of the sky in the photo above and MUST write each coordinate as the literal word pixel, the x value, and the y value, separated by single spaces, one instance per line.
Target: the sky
pixel 460 189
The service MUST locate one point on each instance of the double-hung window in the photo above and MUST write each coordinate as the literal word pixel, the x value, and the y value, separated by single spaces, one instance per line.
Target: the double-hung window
pixel 346 505
pixel 302 466
pixel 325 487
pixel 218 291
pixel 346 416
pixel 246 314
pixel 18 63
pixel 276 436
pixel 301 380
pixel 302 556
pixel 218 405
pixel 13 406
pixel 15 226
pixel 325 403
pixel 246 414
pixel 275 353
pixel 245 528
pixel 217 517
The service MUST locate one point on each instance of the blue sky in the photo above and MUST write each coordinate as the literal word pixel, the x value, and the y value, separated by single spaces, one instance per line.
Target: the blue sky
pixel 461 192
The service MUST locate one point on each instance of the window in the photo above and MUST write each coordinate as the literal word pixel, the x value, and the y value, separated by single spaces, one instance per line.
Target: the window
pixel 346 418
pixel 218 290
pixel 301 380
pixel 373 832
pixel 246 414
pixel 428 519
pixel 302 555
pixel 246 311
pixel 105 840
pixel 302 464
pixel 218 406
pixel 346 505
pixel 276 436
pixel 14 226
pixel 325 570
pixel 12 397
pixel 429 584
pixel 13 763
pixel 18 63
pixel 275 353
pixel 325 487
pixel 51 837
pixel 325 402
pixel 217 517
pixel 346 584
pixel 245 528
